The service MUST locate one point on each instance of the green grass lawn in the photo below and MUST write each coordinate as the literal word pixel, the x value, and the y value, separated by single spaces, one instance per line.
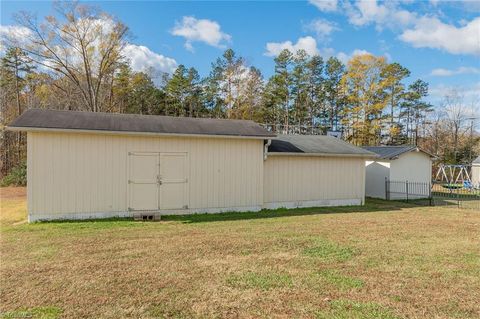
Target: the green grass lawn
pixel 383 260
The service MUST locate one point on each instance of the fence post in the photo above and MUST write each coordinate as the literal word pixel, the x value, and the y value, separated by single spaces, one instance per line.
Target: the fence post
pixel 386 189
pixel 406 188
pixel 458 197
pixel 430 193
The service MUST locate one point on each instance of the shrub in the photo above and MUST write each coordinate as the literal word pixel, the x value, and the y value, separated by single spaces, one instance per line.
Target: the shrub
pixel 16 177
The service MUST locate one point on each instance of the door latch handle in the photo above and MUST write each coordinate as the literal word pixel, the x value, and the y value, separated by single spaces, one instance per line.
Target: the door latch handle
pixel 159 180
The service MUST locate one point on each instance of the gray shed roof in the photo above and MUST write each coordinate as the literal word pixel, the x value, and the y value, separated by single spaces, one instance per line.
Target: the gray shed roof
pixel 476 161
pixel 315 144
pixel 74 120
pixel 392 152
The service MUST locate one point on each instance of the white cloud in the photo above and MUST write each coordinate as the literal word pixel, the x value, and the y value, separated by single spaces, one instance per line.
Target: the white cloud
pixel 426 31
pixel 323 28
pixel 12 34
pixel 325 5
pixel 365 12
pixel 327 52
pixel 142 58
pixel 200 30
pixel 432 33
pixel 460 70
pixel 344 57
pixel 385 14
pixel 469 93
pixel 307 43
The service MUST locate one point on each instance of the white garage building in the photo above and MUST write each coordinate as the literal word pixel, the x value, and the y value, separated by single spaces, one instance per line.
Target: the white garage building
pixel 476 172
pixel 96 165
pixel 398 165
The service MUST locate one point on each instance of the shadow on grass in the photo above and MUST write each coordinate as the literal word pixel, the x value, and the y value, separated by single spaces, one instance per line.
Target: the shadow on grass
pixel 371 205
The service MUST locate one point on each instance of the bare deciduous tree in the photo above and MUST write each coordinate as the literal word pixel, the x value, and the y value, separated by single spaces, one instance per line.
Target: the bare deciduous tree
pixel 80 43
pixel 456 113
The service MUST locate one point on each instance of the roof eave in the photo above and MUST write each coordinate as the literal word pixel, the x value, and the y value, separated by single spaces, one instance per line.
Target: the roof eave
pixel 416 150
pixel 322 154
pixel 85 131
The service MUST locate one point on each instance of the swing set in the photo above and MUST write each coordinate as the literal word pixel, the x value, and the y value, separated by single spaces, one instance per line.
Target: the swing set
pixel 454 176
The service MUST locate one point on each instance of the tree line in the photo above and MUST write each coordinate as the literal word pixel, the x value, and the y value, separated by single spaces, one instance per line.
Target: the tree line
pixel 74 60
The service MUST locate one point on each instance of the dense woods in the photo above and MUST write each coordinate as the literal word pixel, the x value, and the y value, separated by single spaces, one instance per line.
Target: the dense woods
pixel 74 61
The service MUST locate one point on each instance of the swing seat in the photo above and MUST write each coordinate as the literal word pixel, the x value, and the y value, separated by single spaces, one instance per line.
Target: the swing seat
pixel 468 185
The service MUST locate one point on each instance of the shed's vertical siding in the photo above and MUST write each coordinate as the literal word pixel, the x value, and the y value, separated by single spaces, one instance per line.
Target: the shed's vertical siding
pixel 292 181
pixel 412 167
pixel 30 169
pixel 75 173
pixel 376 174
pixel 476 175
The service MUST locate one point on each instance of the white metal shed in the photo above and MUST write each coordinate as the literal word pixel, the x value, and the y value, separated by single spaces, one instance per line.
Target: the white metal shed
pixel 476 172
pixel 397 164
pixel 96 165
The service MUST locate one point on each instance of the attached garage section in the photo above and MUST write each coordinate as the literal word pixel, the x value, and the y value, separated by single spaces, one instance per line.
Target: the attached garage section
pixel 303 171
pixel 296 181
pixel 95 165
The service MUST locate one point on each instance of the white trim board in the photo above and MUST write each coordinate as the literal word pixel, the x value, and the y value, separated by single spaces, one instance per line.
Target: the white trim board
pixel 191 211
pixel 103 215
pixel 314 203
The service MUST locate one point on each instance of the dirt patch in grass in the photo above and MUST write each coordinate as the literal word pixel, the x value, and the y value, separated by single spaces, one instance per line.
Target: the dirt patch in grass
pixel 377 261
pixel 13 192
pixel 13 206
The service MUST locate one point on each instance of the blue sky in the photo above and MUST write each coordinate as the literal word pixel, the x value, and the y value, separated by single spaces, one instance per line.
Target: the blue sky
pixel 437 41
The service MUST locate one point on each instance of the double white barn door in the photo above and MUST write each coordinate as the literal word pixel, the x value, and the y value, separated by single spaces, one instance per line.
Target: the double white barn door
pixel 157 181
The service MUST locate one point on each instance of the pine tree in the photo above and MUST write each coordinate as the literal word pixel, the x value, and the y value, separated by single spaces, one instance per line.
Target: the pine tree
pixel 121 88
pixel 224 83
pixel 144 97
pixel 414 109
pixel 194 94
pixel 176 90
pixel 282 88
pixel 15 67
pixel 334 98
pixel 393 75
pixel 299 90
pixel 315 87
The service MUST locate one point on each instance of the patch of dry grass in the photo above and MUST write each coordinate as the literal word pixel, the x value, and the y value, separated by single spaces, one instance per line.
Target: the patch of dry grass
pixel 13 205
pixel 378 261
